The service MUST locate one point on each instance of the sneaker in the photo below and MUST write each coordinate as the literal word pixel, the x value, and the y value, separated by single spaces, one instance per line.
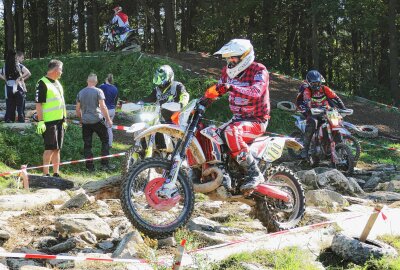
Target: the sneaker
pixel 56 175
pixel 46 175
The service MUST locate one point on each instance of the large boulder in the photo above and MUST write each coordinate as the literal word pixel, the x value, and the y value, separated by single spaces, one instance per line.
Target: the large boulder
pixel 35 200
pixel 384 196
pixel 129 246
pixel 309 178
pixel 76 223
pixel 104 189
pixel 325 198
pixel 358 252
pixel 335 180
pixel 393 186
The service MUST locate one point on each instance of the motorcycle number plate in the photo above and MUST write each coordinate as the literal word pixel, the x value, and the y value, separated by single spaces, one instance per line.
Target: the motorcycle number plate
pixel 274 150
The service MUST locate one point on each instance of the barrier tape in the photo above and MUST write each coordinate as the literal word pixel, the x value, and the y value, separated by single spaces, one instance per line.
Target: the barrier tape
pixel 64 163
pixel 113 127
pixel 380 146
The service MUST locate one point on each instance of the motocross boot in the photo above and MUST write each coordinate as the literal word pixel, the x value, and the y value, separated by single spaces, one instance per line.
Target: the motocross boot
pixel 307 139
pixel 254 176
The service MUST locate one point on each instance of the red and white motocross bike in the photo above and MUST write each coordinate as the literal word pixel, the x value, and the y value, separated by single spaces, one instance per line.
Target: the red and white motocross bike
pixel 158 196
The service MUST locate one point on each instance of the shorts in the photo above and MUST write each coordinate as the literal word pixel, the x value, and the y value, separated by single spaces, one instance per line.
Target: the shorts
pixel 53 136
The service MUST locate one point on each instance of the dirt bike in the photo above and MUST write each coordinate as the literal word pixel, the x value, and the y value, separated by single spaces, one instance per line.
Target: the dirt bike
pixel 147 115
pixel 331 140
pixel 126 41
pixel 158 197
pixel 346 137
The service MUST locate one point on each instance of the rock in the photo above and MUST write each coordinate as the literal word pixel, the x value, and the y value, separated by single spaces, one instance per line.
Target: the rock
pixel 62 264
pixel 40 181
pixel 335 180
pixel 14 263
pixel 244 208
pixel 88 237
pixel 356 187
pixel 6 215
pixel 104 189
pixel 360 182
pixel 31 267
pixel 389 186
pixel 355 200
pixel 228 230
pixel 202 223
pixel 4 235
pixel 309 178
pixel 211 207
pixel 64 246
pixel 128 247
pixel 78 201
pixel 383 196
pixel 35 200
pixel 2 266
pixel 103 210
pixel 385 167
pixel 45 242
pixel 211 237
pixel 325 198
pixel 166 242
pixel 75 223
pixel 18 126
pixel 353 250
pixel 372 182
pixel 105 245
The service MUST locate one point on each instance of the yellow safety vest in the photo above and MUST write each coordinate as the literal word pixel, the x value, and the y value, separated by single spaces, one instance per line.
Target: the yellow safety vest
pixel 54 107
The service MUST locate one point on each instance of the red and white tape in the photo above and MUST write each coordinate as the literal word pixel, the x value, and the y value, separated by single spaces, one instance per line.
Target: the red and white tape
pixel 113 127
pixel 64 163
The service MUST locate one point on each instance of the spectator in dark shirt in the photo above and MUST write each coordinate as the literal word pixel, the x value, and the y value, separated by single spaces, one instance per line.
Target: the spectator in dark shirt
pixel 111 95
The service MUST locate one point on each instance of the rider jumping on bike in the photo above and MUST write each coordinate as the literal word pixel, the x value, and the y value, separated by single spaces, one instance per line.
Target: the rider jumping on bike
pixel 120 21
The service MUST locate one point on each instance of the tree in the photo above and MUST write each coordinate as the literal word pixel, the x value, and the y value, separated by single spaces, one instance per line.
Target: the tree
pixel 19 25
pixel 156 26
pixel 393 54
pixel 170 33
pixel 81 26
pixel 8 25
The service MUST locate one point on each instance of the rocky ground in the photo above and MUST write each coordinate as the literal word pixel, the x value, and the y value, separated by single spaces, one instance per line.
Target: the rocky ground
pixel 89 221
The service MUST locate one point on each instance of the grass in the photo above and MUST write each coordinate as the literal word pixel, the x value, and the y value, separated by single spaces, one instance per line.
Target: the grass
pixel 192 240
pixel 291 258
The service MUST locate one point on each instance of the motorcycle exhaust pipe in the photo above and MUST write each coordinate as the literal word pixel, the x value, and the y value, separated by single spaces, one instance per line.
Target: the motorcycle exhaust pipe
pixel 272 192
pixel 210 186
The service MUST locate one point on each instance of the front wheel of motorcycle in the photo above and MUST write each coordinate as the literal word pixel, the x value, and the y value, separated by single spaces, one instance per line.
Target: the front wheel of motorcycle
pixel 141 184
pixel 345 159
pixel 277 215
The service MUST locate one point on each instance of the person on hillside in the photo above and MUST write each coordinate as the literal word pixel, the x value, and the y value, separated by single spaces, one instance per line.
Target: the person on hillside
pixel 316 95
pixel 51 114
pixel 111 94
pixel 247 83
pixel 93 114
pixel 14 74
pixel 120 22
pixel 167 90
pixel 21 98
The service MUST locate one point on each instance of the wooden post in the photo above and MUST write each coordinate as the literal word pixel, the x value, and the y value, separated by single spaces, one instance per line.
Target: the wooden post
pixel 178 256
pixel 370 222
pixel 24 176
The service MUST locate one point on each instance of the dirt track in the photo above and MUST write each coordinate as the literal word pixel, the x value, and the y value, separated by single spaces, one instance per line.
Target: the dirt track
pixel 282 89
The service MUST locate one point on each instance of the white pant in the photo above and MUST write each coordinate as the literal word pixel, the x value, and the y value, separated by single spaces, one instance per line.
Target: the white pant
pixel 111 113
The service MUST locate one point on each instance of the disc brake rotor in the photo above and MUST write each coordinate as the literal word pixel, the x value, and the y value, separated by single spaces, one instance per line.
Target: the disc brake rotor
pixel 154 200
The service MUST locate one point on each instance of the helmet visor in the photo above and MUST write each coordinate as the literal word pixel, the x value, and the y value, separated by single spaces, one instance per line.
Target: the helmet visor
pixel 159 77
pixel 315 85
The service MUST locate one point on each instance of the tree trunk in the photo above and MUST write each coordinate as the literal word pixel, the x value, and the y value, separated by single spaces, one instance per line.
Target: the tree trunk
pixel 191 30
pixel 393 53
pixel 170 34
pixel 81 26
pixel 314 35
pixel 8 26
pixel 33 27
pixel 43 30
pixel 95 25
pixel 184 22
pixel 67 26
pixel 19 25
pixel 89 27
pixel 156 25
pixel 158 40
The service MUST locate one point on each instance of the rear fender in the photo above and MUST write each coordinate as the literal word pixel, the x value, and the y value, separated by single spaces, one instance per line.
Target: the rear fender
pixel 271 148
pixel 175 132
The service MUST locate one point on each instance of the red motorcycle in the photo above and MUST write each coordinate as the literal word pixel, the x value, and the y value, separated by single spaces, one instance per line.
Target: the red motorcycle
pixel 158 196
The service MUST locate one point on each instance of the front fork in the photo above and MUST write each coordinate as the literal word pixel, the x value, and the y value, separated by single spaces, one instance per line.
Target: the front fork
pixel 334 157
pixel 168 189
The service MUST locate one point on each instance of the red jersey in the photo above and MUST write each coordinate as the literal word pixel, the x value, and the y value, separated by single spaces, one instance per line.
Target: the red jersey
pixel 249 93
pixel 319 98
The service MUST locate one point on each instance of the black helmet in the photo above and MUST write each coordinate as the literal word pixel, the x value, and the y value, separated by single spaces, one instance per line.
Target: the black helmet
pixel 314 79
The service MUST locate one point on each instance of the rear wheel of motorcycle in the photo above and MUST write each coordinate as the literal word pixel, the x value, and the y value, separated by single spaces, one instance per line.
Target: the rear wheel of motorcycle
pixel 274 214
pixel 345 157
pixel 152 222
pixel 298 136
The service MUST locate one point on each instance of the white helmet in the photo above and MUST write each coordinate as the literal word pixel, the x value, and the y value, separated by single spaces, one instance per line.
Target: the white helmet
pixel 241 48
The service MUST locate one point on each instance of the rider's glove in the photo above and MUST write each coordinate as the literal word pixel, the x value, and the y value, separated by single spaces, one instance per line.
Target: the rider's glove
pixel 223 87
pixel 41 127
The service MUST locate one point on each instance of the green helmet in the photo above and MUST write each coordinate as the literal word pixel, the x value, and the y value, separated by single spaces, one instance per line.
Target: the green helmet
pixel 163 76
